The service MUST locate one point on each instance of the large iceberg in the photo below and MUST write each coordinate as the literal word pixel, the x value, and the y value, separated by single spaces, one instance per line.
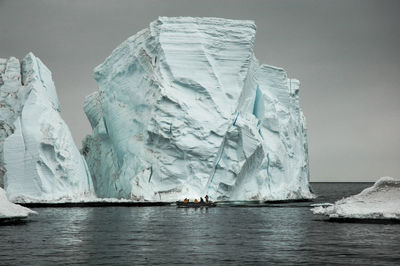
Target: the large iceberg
pixel 381 201
pixel 184 109
pixel 39 159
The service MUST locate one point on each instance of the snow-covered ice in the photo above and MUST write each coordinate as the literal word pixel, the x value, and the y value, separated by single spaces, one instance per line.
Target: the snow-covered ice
pixel 381 201
pixel 39 159
pixel 184 109
pixel 10 210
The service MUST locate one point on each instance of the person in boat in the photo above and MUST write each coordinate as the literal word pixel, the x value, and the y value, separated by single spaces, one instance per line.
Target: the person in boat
pixel 201 200
pixel 196 201
pixel 186 200
pixel 206 197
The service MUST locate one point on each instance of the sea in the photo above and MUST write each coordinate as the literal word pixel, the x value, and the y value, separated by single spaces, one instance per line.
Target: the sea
pixel 271 234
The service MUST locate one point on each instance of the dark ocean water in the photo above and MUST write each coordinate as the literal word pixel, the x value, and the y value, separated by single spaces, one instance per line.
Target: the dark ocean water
pixel 287 234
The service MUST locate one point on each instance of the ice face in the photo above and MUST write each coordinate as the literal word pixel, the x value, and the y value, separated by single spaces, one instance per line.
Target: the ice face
pixel 381 201
pixel 184 109
pixel 39 156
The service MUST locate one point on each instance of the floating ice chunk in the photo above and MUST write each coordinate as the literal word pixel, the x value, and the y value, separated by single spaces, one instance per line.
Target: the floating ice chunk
pixel 381 201
pixel 9 211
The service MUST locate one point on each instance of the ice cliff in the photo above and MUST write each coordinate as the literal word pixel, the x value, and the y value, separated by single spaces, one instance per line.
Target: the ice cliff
pixel 184 109
pixel 39 160
pixel 381 201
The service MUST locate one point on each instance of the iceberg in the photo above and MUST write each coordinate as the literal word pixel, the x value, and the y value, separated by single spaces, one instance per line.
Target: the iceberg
pixel 39 160
pixel 381 201
pixel 183 109
pixel 10 211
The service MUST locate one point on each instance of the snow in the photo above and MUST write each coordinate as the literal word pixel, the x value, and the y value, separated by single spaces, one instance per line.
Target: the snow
pixel 39 156
pixel 381 201
pixel 184 109
pixel 10 210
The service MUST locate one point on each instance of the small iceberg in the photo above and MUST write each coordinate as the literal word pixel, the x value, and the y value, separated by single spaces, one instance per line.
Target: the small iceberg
pixel 10 212
pixel 379 202
pixel 38 157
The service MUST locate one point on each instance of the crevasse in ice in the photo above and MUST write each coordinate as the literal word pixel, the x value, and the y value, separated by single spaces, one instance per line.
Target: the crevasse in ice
pixel 184 109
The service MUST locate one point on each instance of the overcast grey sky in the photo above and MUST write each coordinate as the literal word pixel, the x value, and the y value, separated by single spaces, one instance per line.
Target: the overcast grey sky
pixel 345 53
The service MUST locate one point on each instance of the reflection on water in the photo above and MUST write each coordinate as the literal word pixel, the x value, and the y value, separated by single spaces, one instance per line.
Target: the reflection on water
pixel 151 235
